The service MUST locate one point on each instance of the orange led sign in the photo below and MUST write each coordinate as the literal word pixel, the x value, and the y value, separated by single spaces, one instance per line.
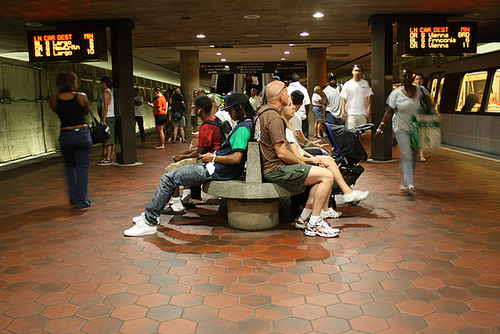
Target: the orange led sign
pixel 448 39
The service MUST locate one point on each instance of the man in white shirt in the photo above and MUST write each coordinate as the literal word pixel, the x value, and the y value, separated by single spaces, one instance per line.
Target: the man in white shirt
pixel 138 101
pixel 254 99
pixel 332 101
pixel 302 112
pixel 356 99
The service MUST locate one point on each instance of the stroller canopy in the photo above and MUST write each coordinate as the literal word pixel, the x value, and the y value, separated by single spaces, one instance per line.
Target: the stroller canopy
pixel 348 142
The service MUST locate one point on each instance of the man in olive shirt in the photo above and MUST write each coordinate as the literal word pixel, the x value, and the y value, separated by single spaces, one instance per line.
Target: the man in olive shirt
pixel 281 166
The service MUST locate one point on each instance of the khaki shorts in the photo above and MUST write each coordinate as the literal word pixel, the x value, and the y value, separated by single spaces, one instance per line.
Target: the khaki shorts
pixel 184 162
pixel 111 122
pixel 291 177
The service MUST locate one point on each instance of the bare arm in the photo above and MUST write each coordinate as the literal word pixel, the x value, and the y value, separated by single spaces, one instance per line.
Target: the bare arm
pixel 106 97
pixel 387 118
pixel 232 159
pixel 342 115
pixel 368 107
pixel 189 153
pixel 324 101
pixel 53 102
pixel 84 102
pixel 285 155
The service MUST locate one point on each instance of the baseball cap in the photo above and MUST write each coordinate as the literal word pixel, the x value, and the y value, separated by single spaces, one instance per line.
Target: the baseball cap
pixel 276 78
pixel 330 76
pixel 235 99
pixel 106 79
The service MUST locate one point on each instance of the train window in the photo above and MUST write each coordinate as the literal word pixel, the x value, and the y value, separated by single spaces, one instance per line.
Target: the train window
pixel 433 88
pixel 440 91
pixel 471 91
pixel 493 99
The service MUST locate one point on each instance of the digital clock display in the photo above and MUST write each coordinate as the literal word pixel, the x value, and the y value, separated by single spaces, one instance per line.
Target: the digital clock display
pixel 67 46
pixel 448 39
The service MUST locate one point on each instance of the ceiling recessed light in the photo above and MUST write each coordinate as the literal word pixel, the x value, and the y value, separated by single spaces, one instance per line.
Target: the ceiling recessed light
pixel 212 46
pixel 200 36
pixel 219 53
pixel 252 17
pixel 253 35
pixel 283 58
pixel 304 34
pixel 291 44
pixel 318 15
pixel 287 52
pixel 33 24
pixel 472 15
pixel 223 59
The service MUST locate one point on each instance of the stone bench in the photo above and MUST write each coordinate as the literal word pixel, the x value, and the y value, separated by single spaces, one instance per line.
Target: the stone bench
pixel 251 204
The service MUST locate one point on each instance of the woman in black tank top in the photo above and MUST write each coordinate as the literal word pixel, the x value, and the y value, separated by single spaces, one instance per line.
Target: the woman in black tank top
pixel 74 139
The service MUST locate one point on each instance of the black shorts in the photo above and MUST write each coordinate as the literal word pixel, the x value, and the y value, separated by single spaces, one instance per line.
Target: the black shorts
pixel 160 119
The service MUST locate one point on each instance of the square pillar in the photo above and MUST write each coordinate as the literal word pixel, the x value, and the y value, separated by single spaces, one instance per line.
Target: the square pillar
pixel 382 86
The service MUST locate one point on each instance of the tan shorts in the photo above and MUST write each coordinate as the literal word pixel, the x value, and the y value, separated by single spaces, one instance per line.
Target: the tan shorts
pixel 184 162
pixel 111 122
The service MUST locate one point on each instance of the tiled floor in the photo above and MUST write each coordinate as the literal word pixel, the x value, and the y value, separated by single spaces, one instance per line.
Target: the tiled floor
pixel 428 263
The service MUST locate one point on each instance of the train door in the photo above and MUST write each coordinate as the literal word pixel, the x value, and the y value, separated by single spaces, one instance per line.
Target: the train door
pixel 435 86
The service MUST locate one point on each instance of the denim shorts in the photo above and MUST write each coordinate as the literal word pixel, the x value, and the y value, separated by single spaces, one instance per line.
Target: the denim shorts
pixel 291 177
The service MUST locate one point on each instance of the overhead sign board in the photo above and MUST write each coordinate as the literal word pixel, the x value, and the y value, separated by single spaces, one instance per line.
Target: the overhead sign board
pixel 448 39
pixel 67 46
pixel 262 67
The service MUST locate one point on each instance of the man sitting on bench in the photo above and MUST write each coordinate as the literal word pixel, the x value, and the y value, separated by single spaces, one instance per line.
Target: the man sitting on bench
pixel 281 166
pixel 226 163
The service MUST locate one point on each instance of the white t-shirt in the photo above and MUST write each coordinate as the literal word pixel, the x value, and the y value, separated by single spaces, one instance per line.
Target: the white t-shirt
pixel 138 109
pixel 290 137
pixel 293 86
pixel 316 100
pixel 223 115
pixel 404 108
pixel 111 105
pixel 356 93
pixel 333 100
pixel 296 123
pixel 254 102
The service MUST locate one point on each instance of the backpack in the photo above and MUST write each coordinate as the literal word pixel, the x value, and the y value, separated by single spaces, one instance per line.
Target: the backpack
pixel 224 127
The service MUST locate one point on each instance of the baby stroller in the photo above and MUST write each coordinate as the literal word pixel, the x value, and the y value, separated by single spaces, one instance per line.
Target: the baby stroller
pixel 347 151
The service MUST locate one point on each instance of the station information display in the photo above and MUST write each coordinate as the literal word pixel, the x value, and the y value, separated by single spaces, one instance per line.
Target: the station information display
pixel 67 46
pixel 448 39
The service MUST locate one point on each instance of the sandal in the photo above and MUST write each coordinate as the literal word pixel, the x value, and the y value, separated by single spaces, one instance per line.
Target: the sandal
pixel 423 159
pixel 159 148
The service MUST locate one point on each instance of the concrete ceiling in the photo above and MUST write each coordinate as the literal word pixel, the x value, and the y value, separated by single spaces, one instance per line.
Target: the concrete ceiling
pixel 163 27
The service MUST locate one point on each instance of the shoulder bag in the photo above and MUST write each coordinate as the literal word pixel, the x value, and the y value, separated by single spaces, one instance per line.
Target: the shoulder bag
pixel 425 127
pixel 99 131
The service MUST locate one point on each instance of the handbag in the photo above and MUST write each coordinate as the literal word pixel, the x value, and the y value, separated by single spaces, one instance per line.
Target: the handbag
pixel 425 127
pixel 99 131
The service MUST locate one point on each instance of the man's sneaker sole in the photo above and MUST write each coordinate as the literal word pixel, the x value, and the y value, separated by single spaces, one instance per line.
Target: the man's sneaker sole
pixel 314 233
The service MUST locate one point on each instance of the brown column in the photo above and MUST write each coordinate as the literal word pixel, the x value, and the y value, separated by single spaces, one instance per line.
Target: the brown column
pixel 316 75
pixel 190 80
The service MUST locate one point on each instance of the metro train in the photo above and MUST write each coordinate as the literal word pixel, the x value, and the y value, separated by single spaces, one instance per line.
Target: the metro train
pixel 467 94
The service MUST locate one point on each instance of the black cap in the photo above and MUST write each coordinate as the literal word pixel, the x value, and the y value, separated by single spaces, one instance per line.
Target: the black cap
pixel 235 99
pixel 330 76
pixel 295 77
pixel 106 79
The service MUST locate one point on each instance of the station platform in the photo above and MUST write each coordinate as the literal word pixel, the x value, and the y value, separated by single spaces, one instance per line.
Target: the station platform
pixel 427 263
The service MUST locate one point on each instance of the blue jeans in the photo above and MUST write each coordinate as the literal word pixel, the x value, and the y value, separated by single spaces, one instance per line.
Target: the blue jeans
pixel 76 147
pixel 188 176
pixel 330 119
pixel 408 157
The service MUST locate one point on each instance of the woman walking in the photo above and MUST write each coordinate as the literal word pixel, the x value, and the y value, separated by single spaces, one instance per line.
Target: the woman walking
pixel 75 141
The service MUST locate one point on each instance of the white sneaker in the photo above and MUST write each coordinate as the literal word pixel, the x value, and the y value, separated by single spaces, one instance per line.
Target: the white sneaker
pixel 330 214
pixel 141 217
pixel 301 223
pixel 140 228
pixel 186 199
pixel 322 229
pixel 409 189
pixel 356 196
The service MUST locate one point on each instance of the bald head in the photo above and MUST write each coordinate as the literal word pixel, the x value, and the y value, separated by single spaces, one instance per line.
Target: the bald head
pixel 274 90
